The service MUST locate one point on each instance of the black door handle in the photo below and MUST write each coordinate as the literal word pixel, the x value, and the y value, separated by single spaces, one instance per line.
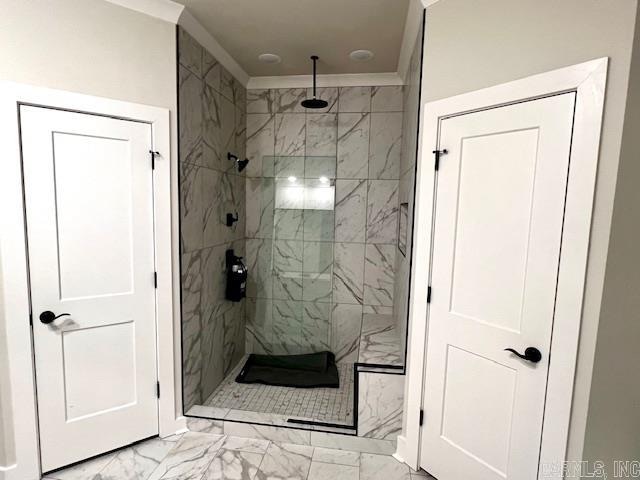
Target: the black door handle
pixel 531 354
pixel 48 316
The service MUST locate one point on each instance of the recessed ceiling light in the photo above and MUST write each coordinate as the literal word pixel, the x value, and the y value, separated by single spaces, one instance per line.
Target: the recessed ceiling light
pixel 292 179
pixel 269 58
pixel 361 55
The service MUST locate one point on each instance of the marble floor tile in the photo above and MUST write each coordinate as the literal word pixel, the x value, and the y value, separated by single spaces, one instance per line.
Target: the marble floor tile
pixel 138 461
pixel 327 471
pixel 339 457
pixel 233 465
pixel 83 471
pixel 382 467
pixel 286 461
pixel 189 459
pixel 251 445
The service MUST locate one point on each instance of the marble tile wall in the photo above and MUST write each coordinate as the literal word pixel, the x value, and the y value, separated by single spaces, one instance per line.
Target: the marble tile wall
pixel 212 121
pixel 314 271
pixel 411 104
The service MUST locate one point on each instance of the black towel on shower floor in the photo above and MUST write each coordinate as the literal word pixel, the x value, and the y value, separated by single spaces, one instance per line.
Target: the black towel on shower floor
pixel 311 370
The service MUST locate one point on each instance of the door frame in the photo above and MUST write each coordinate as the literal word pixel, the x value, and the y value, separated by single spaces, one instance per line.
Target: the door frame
pixel 588 80
pixel 14 286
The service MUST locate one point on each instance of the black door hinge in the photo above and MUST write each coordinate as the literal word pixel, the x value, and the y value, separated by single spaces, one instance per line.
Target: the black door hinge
pixel 438 154
pixel 421 417
pixel 428 294
pixel 31 318
pixel 153 158
pixel 158 389
pixel 155 279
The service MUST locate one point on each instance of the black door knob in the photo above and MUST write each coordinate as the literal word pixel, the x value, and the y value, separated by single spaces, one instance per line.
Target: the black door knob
pixel 531 354
pixel 48 316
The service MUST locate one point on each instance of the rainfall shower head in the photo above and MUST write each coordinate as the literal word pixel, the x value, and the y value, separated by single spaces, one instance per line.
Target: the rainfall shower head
pixel 314 102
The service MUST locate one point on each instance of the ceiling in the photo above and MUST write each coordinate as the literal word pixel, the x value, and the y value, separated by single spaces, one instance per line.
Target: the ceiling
pixel 296 29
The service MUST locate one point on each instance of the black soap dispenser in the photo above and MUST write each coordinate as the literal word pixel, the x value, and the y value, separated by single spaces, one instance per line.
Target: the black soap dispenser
pixel 236 277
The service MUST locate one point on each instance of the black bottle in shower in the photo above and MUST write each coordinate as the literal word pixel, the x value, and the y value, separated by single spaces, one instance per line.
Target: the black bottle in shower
pixel 236 277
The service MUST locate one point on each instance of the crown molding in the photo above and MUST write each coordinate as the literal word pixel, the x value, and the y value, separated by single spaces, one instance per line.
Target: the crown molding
pixel 208 41
pixel 333 80
pixel 163 9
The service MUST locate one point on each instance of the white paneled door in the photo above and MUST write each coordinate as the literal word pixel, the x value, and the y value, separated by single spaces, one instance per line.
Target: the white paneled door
pixel 89 208
pixel 496 249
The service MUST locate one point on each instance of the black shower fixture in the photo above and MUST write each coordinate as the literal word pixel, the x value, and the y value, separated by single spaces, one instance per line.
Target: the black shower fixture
pixel 314 102
pixel 242 164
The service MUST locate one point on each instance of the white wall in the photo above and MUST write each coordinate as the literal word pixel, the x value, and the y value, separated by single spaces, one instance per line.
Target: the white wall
pixel 471 45
pixel 96 48
pixel 613 424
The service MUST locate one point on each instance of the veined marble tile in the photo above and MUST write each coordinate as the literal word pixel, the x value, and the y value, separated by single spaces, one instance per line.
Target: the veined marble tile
pixel 189 52
pixel 316 287
pixel 382 211
pixel 240 99
pixel 385 146
pixel 241 138
pixel 324 471
pixel 207 411
pixel 216 192
pixel 275 434
pixel 228 85
pixel 356 444
pixel 190 101
pixel 259 325
pixel 191 328
pixel 204 425
pixel 83 471
pixel 233 465
pixel 212 128
pixel 260 101
pixel 259 262
pixel 319 225
pixel 212 350
pixel 353 145
pixel 227 131
pixel 346 322
pixel 189 459
pixel 386 99
pixel 348 273
pixel 290 134
pixel 287 325
pixel 377 309
pixel 380 405
pixel 316 167
pixel 351 210
pixel 191 207
pixel 288 100
pixel 382 467
pixel 316 326
pixel 289 167
pixel 211 70
pixel 234 336
pixel 288 224
pixel 329 95
pixel 317 257
pixel 322 131
pixel 286 461
pixel 339 457
pixel 287 256
pixel 214 281
pixel 260 141
pixel 251 445
pixel 287 285
pixel 354 99
pixel 260 195
pixel 379 274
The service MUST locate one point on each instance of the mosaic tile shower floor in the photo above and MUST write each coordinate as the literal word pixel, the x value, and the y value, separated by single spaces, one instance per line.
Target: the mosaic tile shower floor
pixel 331 405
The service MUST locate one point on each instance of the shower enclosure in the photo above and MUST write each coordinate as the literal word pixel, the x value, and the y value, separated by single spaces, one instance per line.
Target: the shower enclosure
pixel 317 201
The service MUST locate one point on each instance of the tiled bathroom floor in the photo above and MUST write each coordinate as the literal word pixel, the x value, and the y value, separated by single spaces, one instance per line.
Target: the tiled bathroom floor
pixel 331 405
pixel 202 456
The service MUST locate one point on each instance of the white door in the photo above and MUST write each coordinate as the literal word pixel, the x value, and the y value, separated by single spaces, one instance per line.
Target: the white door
pixel 89 208
pixel 496 247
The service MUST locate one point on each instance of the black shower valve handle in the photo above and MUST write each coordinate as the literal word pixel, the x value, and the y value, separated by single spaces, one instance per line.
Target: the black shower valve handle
pixel 231 219
pixel 231 156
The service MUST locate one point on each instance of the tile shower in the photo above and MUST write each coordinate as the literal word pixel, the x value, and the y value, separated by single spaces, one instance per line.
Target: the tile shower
pixel 318 208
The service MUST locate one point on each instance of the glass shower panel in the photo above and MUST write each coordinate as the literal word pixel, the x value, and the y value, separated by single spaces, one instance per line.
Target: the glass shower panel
pixel 302 252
